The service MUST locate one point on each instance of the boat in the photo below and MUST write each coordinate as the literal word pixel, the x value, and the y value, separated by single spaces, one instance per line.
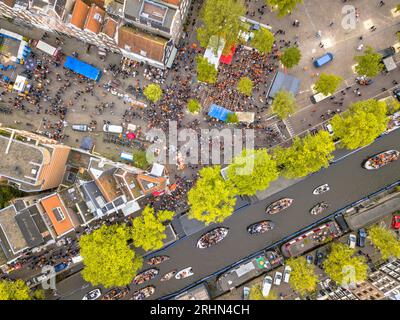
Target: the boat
pixel 279 205
pixel 143 293
pixel 145 276
pixel 115 294
pixel 246 293
pixel 321 189
pixel 381 159
pixel 168 275
pixel 260 227
pixel 319 208
pixel 212 237
pixel 184 273
pixel 157 260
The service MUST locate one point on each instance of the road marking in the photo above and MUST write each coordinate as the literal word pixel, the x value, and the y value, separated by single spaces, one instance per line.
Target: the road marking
pixel 289 127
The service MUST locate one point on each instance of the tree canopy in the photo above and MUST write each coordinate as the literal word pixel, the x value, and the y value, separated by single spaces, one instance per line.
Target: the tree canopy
pixel 284 6
pixel 327 83
pixel 369 64
pixel 252 171
pixel 305 156
pixel 284 104
pixel 139 159
pixel 256 293
pixel 194 106
pixel 290 57
pixel 107 258
pixel 206 71
pixel 245 86
pixel 153 92
pixel 8 193
pixel 14 290
pixel 263 40
pixel 303 279
pixel 361 124
pixel 232 118
pixel 148 230
pixel 221 19
pixel 343 267
pixel 212 199
pixel 385 241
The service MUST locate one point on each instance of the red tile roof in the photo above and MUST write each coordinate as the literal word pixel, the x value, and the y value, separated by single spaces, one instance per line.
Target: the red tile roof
pixel 52 204
pixel 109 27
pixel 95 19
pixel 79 14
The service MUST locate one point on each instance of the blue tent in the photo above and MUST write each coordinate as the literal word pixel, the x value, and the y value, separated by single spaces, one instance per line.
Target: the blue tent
pixel 82 68
pixel 218 112
pixel 285 82
pixel 87 143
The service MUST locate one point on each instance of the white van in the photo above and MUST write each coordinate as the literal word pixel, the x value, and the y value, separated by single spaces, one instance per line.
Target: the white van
pixel 112 128
pixel 319 97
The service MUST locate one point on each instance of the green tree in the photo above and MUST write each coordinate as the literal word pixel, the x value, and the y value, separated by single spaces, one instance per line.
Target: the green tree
pixel 7 193
pixel 108 3
pixel 284 104
pixel 251 171
pixel 194 106
pixel 245 86
pixel 148 229
pixel 398 8
pixel 206 71
pixel 153 92
pixel 212 199
pixel 392 105
pixel 38 294
pixel 385 241
pixel 14 290
pixel 232 118
pixel 303 279
pixel 369 64
pixel 305 156
pixel 290 57
pixel 221 19
pixel 327 83
pixel 284 6
pixel 139 159
pixel 361 124
pixel 263 40
pixel 256 293
pixel 342 261
pixel 107 258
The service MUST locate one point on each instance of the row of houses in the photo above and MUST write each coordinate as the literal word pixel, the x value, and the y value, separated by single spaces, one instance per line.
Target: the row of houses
pixel 141 30
pixel 66 188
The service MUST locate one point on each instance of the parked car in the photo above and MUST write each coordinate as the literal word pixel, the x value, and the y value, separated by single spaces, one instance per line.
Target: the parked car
pixel 362 235
pixel 326 58
pixel 286 274
pixel 309 259
pixel 278 278
pixel 329 128
pixel 396 93
pixel 352 240
pixel 319 257
pixel 112 128
pixel 267 284
pixel 80 127
pixel 92 295
pixel 396 222
pixel 60 267
pixel 387 52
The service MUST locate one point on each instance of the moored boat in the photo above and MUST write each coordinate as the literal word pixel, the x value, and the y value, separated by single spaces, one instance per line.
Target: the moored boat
pixel 279 205
pixel 168 276
pixel 145 276
pixel 143 293
pixel 381 159
pixel 319 208
pixel 212 237
pixel 321 189
pixel 184 273
pixel 157 260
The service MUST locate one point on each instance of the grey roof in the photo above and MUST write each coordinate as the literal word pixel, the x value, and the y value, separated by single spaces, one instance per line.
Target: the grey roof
pixel 29 229
pixel 92 193
pixel 284 82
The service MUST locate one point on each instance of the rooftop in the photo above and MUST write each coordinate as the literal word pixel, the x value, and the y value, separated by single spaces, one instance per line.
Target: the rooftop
pixel 11 230
pixel 79 14
pixel 107 183
pixel 29 228
pixel 147 45
pixel 57 214
pixel 23 161
pixel 109 27
pixel 95 19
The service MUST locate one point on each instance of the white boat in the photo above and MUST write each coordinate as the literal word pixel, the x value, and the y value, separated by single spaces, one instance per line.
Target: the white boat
pixel 261 227
pixel 143 293
pixel 212 237
pixel 321 189
pixel 279 205
pixel 145 276
pixel 168 276
pixel 381 159
pixel 184 273
pixel 319 208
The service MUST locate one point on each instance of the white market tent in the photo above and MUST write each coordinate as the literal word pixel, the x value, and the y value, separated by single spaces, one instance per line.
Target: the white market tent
pixel 20 83
pixel 43 46
pixel 210 55
pixel 157 170
pixel 247 117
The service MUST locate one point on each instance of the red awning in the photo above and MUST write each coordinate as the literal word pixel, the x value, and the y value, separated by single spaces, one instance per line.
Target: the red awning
pixel 227 59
